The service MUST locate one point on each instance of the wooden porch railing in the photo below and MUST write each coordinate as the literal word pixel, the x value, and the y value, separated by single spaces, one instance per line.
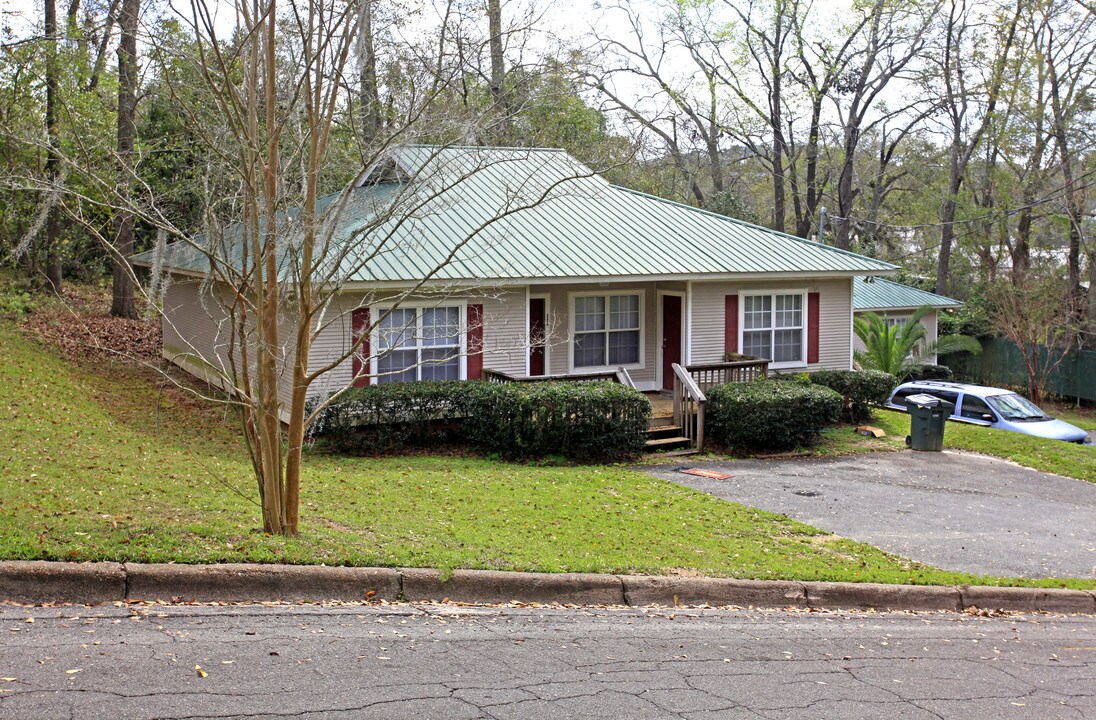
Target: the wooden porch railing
pixel 691 381
pixel 728 372
pixel 689 406
pixel 620 376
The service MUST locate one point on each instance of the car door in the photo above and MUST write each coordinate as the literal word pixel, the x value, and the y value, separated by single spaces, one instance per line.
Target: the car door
pixel 974 411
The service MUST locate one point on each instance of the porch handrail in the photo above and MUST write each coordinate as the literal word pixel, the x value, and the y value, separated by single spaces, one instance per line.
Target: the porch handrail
pixel 689 406
pixel 497 376
pixel 624 378
pixel 708 374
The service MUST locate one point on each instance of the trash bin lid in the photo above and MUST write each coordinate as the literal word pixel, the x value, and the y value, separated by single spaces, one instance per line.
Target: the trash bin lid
pixel 923 400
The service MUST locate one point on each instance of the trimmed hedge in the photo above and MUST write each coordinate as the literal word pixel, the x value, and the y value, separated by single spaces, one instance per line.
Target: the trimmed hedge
pixel 767 415
pixel 579 420
pixel 586 421
pixel 391 416
pixel 860 390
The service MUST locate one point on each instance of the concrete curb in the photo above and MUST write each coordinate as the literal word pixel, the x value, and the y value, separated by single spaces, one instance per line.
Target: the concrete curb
pixel 40 581
pixel 94 583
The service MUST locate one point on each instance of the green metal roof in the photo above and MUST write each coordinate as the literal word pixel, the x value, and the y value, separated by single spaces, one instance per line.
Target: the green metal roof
pixel 880 294
pixel 522 214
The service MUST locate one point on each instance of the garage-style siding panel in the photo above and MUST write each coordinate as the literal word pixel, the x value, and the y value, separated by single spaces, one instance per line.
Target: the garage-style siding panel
pixel 198 334
pixel 708 314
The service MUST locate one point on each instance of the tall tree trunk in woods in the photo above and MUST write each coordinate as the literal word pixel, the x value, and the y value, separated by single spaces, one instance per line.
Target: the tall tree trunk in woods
pixel 53 157
pixel 498 69
pixel 369 90
pixel 1074 211
pixel 776 106
pixel 958 99
pixel 122 304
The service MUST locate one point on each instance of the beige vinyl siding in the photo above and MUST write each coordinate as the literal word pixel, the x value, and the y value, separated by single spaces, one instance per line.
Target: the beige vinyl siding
pixel 504 336
pixel 198 334
pixel 708 317
pixel 929 321
pixel 561 330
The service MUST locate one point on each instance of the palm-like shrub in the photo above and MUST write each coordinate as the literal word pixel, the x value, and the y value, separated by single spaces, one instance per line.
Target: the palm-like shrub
pixel 890 348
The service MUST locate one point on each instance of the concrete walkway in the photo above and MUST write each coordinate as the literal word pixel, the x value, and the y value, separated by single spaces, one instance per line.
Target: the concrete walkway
pixel 951 510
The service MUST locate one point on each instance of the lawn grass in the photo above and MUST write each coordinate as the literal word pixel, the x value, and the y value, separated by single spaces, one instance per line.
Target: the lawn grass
pixel 101 463
pixel 1053 456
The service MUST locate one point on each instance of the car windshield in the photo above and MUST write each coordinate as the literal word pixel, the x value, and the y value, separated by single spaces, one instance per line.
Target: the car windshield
pixel 1014 407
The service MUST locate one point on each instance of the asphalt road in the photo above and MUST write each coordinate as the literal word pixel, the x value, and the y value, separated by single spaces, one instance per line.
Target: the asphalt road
pixel 439 661
pixel 955 511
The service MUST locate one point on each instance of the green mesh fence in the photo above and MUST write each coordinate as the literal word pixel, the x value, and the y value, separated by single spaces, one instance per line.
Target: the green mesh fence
pixel 1001 363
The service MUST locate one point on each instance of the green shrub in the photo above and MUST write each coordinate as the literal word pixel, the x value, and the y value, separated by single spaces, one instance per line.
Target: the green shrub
pixel 767 415
pixel 579 420
pixel 586 421
pixel 930 372
pixel 390 416
pixel 860 390
pixel 16 302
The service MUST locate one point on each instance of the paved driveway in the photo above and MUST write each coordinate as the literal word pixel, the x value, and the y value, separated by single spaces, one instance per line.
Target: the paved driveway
pixel 950 510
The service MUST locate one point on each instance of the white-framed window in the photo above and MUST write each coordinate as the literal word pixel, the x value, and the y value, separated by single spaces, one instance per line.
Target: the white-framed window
pixel 891 321
pixel 607 330
pixel 774 326
pixel 419 343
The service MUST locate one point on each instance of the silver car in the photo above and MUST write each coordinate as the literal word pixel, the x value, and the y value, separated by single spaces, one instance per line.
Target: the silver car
pixel 991 407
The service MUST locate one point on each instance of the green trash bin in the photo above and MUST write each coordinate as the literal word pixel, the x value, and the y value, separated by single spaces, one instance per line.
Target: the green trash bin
pixel 928 414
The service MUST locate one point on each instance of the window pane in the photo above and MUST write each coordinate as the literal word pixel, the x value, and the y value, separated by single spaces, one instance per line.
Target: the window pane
pixel 589 314
pixel 397 329
pixel 441 364
pixel 757 312
pixel 590 350
pixel 757 343
pixel 624 347
pixel 974 407
pixel 396 366
pixel 623 312
pixel 788 346
pixel 441 326
pixel 789 310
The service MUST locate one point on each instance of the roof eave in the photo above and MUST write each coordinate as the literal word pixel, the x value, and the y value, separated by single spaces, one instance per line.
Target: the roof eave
pixel 592 279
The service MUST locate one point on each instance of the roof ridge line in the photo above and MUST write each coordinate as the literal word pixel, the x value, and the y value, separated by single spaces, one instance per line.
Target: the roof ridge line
pixel 755 226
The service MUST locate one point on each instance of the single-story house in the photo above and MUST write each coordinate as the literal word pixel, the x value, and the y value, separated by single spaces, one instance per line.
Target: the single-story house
pixel 539 266
pixel 895 303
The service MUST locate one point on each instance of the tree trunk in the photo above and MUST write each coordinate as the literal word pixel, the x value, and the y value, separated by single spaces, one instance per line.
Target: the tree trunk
pixel 776 121
pixel 1065 162
pixel 947 219
pixel 53 157
pixel 498 69
pixel 123 304
pixel 369 91
pixel 807 223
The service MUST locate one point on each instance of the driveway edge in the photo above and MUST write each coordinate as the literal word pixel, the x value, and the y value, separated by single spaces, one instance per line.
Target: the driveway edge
pixel 38 582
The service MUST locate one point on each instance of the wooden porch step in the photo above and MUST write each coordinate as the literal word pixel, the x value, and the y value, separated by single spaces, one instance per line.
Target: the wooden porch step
pixel 667 443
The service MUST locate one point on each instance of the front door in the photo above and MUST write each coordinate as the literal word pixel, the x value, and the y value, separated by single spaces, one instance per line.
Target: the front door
pixel 671 338
pixel 537 323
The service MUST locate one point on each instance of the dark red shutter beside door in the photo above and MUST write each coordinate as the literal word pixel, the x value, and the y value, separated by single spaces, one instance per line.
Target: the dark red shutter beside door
pixel 359 322
pixel 475 342
pixel 813 302
pixel 730 324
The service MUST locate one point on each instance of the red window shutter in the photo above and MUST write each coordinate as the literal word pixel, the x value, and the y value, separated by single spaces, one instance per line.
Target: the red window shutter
pixel 359 322
pixel 813 302
pixel 730 324
pixel 475 342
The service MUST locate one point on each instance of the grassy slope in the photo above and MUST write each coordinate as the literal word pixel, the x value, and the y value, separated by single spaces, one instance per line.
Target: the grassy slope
pixel 98 463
